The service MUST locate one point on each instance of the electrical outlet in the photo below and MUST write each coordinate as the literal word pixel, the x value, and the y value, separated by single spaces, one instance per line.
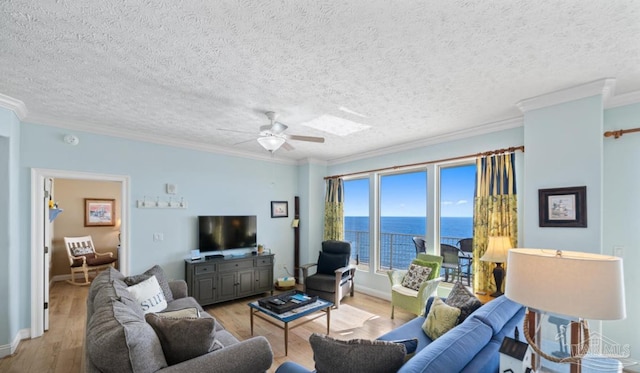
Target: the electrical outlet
pixel 618 251
pixel 158 236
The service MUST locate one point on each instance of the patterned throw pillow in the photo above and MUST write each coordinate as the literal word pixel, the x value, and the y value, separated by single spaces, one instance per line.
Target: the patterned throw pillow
pixel 463 299
pixel 441 319
pixel 149 295
pixel 415 276
pixel 83 250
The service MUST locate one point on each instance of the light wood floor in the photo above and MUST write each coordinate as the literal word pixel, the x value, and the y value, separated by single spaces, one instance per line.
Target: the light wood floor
pixel 60 349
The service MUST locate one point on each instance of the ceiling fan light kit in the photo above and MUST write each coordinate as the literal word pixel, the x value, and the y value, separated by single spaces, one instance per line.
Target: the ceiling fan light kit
pixel 271 143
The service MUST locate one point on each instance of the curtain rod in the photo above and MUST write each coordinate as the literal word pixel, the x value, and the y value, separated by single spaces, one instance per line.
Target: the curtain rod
pixel 483 154
pixel 618 133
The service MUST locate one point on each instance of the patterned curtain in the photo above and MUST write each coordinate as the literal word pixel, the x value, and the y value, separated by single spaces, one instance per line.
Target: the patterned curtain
pixel 495 212
pixel 334 210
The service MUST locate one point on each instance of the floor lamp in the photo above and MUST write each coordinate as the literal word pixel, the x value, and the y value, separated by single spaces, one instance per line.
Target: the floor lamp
pixel 575 284
pixel 497 250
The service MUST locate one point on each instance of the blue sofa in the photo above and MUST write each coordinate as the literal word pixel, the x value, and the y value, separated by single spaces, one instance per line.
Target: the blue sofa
pixel 472 346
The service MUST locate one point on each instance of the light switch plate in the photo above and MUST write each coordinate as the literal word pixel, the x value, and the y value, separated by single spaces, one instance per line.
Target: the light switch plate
pixel 171 189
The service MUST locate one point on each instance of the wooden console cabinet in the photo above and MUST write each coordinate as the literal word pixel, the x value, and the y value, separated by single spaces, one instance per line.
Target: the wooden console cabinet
pixel 222 279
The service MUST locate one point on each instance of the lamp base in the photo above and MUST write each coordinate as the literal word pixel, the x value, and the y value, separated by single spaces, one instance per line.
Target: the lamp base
pixel 497 294
pixel 498 275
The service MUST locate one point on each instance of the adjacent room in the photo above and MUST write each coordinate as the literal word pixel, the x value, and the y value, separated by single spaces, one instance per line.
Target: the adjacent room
pixel 331 187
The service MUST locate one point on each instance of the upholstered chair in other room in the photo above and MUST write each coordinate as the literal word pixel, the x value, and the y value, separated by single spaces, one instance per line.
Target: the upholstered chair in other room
pixel 334 275
pixel 415 299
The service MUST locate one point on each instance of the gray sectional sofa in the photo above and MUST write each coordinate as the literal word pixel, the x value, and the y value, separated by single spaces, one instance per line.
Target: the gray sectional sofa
pixel 118 339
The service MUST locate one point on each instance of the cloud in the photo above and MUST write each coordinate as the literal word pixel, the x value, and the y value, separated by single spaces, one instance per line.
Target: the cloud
pixel 462 202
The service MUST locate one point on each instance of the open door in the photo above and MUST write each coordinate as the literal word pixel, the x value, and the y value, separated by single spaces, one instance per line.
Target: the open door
pixel 46 245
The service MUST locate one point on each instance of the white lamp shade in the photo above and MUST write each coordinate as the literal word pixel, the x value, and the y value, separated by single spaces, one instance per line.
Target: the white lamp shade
pixel 271 143
pixel 497 249
pixel 582 285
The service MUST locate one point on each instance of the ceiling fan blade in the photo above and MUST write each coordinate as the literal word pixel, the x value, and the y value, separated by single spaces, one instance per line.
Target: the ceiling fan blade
pixel 228 130
pixel 278 127
pixel 287 146
pixel 305 138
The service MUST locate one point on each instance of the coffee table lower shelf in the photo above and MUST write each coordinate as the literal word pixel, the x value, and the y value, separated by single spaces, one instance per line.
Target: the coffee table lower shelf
pixel 287 317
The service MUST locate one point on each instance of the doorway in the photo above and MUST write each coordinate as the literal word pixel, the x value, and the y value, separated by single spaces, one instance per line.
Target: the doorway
pixel 40 284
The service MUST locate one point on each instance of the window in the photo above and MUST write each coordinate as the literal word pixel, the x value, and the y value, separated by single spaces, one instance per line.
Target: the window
pixel 403 214
pixel 457 187
pixel 356 220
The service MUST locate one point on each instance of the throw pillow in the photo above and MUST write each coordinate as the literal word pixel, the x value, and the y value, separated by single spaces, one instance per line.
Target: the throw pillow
pixel 328 263
pixel 460 297
pixel 149 295
pixel 184 313
pixel 435 267
pixel 441 319
pixel 83 250
pixel 186 338
pixel 157 271
pixel 415 276
pixel 356 355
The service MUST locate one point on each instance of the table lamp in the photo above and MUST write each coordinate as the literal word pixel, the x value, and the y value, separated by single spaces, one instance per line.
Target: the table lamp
pixel 497 250
pixel 576 284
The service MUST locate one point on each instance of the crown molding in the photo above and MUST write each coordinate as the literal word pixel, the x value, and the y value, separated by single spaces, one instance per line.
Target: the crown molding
pixel 604 87
pixel 451 136
pixel 310 161
pixel 15 105
pixel 624 99
pixel 161 140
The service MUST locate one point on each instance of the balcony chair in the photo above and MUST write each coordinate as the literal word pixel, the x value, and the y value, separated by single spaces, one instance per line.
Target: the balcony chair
pixel 466 255
pixel 84 258
pixel 450 261
pixel 412 300
pixel 419 242
pixel 334 275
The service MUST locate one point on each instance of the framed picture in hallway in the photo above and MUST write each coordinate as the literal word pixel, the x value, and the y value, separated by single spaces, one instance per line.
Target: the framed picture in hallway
pixel 563 207
pixel 99 212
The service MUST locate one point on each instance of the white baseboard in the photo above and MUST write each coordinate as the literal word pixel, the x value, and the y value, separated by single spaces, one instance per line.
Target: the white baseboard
pixel 6 350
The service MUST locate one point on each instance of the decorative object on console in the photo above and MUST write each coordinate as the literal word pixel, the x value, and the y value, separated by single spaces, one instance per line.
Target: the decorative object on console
pixel 563 207
pixel 555 282
pixel 279 209
pixel 99 212
pixel 497 250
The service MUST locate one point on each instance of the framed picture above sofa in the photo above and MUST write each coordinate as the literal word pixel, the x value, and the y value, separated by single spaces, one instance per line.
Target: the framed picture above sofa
pixel 563 207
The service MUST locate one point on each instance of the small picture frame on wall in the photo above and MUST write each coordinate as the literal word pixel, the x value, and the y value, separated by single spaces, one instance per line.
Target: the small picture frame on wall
pixel 563 207
pixel 279 209
pixel 99 212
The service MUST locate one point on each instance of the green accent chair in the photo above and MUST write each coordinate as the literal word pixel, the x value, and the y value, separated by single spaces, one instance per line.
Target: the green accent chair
pixel 409 299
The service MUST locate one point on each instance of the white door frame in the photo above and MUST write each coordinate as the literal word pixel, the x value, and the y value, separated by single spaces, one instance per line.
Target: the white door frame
pixel 38 177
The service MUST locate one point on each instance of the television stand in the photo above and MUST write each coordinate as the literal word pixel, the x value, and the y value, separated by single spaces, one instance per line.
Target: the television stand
pixel 213 256
pixel 225 278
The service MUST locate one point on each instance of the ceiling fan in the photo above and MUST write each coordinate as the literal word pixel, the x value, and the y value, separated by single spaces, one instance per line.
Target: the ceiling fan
pixel 272 135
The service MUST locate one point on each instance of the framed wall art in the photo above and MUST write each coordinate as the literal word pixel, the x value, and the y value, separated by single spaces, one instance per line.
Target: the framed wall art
pixel 563 207
pixel 279 209
pixel 99 212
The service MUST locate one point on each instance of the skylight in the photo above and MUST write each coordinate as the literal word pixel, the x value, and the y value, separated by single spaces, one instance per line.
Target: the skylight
pixel 335 125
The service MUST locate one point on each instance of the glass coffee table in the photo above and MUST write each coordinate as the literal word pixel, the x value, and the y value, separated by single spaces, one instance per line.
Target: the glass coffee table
pixel 320 305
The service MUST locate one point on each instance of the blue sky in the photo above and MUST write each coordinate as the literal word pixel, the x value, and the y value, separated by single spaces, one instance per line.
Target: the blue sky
pixel 406 194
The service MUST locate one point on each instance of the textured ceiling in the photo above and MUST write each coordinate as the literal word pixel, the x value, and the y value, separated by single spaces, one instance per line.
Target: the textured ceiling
pixel 411 70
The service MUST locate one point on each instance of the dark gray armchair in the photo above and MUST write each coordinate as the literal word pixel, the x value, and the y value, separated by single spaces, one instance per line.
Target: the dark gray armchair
pixel 334 275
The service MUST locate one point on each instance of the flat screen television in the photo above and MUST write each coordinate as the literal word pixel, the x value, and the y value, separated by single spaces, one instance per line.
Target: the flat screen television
pixel 227 232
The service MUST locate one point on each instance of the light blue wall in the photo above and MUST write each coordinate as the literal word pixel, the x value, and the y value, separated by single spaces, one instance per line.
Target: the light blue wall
pixel 621 217
pixel 311 187
pixel 211 184
pixel 378 284
pixel 564 149
pixel 10 212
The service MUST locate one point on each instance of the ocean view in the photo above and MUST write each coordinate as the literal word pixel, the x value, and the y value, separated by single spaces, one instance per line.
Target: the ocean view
pixel 396 244
pixel 449 227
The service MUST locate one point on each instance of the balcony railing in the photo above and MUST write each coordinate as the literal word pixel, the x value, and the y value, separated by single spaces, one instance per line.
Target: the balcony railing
pixel 397 250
